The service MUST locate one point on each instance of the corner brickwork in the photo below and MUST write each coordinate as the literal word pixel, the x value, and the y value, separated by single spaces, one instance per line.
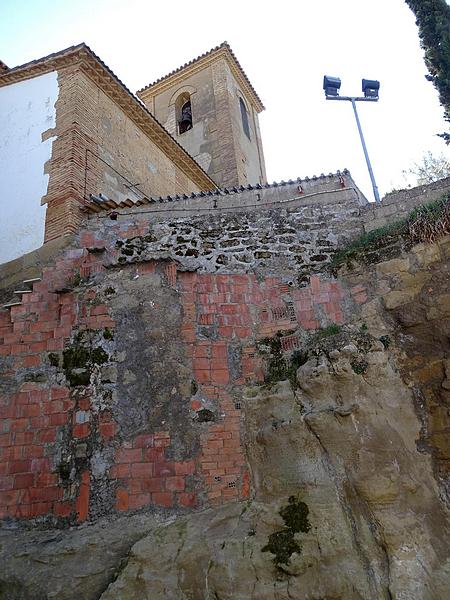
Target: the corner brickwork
pixel 90 130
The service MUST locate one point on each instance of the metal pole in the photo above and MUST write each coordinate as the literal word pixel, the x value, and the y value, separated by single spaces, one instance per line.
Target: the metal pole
pixel 369 166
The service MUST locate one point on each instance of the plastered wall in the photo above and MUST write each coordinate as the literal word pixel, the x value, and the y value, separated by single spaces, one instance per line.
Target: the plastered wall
pixel 27 111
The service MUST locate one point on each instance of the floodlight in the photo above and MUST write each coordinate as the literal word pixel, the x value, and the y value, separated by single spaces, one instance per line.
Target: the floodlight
pixel 370 88
pixel 331 85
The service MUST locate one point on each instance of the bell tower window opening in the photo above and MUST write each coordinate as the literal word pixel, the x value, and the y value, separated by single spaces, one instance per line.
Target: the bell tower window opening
pixel 244 117
pixel 184 113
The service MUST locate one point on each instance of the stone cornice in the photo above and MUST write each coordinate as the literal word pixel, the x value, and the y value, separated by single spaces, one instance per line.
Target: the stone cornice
pixel 179 75
pixel 91 65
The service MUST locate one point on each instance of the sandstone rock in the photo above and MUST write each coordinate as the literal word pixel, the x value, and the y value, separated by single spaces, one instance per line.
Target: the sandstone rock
pixel 441 307
pixel 426 254
pixel 392 267
pixel 78 563
pixel 361 477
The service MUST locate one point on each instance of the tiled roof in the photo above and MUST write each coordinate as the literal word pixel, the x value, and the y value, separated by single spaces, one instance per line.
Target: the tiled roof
pixel 222 46
pixel 48 58
pixel 3 67
pixel 99 205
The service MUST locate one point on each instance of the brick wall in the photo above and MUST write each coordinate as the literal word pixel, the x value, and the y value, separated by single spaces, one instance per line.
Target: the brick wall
pixel 66 454
pixel 153 416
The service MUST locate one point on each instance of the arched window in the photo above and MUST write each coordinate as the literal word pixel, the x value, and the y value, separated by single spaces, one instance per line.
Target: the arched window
pixel 244 116
pixel 184 113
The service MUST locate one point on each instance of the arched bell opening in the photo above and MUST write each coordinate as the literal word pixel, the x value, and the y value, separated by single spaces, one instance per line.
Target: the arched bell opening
pixel 184 113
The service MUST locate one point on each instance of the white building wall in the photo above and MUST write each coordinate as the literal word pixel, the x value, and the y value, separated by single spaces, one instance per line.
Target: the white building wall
pixel 27 110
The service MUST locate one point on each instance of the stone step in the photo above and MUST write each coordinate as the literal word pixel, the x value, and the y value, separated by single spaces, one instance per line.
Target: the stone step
pixel 31 281
pixel 23 292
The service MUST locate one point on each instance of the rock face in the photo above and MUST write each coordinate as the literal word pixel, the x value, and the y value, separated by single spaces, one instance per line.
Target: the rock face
pixel 345 445
pixel 36 565
pixel 344 506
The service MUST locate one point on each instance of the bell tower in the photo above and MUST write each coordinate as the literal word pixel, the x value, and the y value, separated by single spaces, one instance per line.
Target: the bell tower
pixel 210 107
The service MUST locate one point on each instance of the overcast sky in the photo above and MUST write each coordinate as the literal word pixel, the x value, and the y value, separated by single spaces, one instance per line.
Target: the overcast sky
pixel 285 47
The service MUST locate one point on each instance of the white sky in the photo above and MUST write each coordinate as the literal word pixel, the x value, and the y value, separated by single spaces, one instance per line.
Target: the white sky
pixel 285 48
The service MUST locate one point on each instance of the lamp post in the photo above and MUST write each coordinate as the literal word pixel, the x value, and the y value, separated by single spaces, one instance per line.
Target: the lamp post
pixel 370 87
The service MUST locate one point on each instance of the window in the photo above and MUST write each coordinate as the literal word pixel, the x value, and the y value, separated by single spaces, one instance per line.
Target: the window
pixel 184 113
pixel 244 116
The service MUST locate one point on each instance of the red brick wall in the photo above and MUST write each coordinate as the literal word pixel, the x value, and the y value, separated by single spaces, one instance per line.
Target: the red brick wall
pixel 34 415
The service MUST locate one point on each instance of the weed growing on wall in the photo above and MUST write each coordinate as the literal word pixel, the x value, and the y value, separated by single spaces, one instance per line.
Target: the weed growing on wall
pixel 426 223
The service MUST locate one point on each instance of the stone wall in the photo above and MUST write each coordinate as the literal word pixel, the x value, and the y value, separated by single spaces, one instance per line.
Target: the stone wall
pixel 398 204
pixel 122 368
pixel 338 192
pixel 292 227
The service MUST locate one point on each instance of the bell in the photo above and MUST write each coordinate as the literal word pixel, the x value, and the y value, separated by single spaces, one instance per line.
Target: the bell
pixel 186 118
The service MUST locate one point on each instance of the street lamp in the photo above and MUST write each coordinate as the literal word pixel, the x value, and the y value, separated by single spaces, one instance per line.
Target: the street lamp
pixel 370 88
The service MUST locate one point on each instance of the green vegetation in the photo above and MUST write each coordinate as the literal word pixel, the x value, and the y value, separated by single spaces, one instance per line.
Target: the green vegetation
pixel 366 245
pixel 75 281
pixel 386 341
pixel 282 544
pixel 433 20
pixel 80 358
pixel 431 221
pixel 98 356
pixel 108 334
pixel 278 366
pixel 328 331
pixel 35 377
pixel 423 224
pixel 430 168
pixel 359 366
pixel 53 359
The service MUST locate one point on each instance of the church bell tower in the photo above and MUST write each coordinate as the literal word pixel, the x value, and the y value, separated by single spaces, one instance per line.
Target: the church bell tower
pixel 210 107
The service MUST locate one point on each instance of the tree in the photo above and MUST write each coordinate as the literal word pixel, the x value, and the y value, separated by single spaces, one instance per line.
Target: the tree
pixel 433 21
pixel 430 169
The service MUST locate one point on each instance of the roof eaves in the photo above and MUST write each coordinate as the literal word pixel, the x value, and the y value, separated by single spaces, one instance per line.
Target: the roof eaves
pixel 41 61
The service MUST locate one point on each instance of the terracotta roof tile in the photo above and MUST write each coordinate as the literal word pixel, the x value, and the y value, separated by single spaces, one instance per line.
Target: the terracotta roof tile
pixel 97 205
